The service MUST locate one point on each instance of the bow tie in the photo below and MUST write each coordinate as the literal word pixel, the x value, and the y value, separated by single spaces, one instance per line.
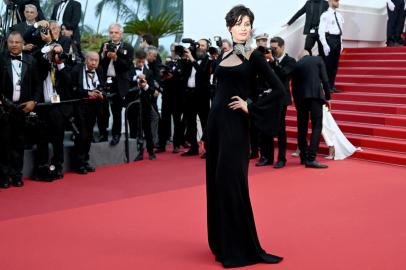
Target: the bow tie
pixel 137 68
pixel 13 57
pixel 90 72
pixel 64 1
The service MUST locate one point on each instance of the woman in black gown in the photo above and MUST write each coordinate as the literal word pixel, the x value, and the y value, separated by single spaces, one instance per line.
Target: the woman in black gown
pixel 231 227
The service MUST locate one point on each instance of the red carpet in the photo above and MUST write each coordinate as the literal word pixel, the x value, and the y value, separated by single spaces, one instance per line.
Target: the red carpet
pixel 151 215
pixel 371 109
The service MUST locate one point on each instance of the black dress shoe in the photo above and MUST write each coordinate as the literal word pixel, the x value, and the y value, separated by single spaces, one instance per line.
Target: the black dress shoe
pixel 190 152
pixel 279 164
pixel 4 184
pixel 90 168
pixel 254 155
pixel 102 138
pixel 17 181
pixel 152 156
pixel 263 162
pixel 160 150
pixel 139 157
pixel 315 164
pixel 176 150
pixel 81 170
pixel 115 140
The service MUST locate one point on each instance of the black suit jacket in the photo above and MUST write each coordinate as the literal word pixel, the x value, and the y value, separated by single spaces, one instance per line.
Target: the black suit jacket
pixel 122 66
pixel 75 80
pixel 21 7
pixel 72 15
pixel 202 74
pixel 31 87
pixel 284 71
pixel 21 27
pixel 309 9
pixel 309 76
pixel 145 95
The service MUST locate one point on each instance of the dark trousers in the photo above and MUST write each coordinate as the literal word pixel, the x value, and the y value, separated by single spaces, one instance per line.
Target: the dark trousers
pixel 334 42
pixel 396 23
pixel 85 121
pixel 314 108
pixel 102 117
pixel 52 131
pixel 140 126
pixel 117 104
pixel 197 104
pixel 267 143
pixel 12 146
pixel 311 39
pixel 171 107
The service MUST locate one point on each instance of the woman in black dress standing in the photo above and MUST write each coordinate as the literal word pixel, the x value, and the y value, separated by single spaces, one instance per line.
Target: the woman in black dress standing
pixel 231 227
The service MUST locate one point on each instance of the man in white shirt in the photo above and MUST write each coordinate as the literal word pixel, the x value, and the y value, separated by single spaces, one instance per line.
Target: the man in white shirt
pixel 330 33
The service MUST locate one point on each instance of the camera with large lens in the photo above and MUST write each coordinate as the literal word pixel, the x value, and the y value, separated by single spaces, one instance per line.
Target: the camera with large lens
pixel 180 50
pixel 110 47
pixel 219 41
pixel 41 30
pixel 266 50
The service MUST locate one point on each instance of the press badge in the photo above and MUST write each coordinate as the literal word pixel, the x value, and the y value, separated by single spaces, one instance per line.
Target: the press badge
pixel 125 52
pixel 55 98
pixel 312 31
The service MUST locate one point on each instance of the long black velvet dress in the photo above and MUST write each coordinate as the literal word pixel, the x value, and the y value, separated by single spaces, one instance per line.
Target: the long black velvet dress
pixel 231 228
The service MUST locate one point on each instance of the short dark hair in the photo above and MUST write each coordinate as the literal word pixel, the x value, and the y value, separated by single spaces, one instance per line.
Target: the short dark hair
pixel 278 40
pixel 15 33
pixel 148 39
pixel 237 13
pixel 140 54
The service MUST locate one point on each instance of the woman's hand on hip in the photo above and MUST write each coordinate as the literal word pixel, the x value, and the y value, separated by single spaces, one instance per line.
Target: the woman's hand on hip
pixel 238 103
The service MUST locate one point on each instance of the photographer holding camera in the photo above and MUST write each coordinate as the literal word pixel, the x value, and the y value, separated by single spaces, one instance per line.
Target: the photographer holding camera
pixel 20 91
pixel 54 118
pixel 88 83
pixel 141 83
pixel 197 93
pixel 116 57
pixel 284 66
pixel 172 102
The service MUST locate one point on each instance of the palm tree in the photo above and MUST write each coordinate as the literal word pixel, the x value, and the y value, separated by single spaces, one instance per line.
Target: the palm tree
pixel 162 25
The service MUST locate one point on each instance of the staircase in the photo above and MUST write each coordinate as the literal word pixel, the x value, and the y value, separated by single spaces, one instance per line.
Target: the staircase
pixel 371 109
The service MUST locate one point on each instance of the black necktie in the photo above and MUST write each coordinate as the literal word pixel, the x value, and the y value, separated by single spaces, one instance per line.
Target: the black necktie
pixel 13 57
pixel 338 24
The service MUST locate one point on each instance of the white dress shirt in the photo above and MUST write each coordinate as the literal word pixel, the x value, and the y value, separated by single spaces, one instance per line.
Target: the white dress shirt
pixel 191 83
pixel 328 25
pixel 16 67
pixel 90 83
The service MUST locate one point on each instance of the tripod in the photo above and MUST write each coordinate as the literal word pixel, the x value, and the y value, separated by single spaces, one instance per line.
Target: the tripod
pixel 11 17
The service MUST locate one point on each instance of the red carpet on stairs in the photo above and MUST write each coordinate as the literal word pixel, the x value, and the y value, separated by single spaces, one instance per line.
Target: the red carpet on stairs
pixel 371 109
pixel 151 216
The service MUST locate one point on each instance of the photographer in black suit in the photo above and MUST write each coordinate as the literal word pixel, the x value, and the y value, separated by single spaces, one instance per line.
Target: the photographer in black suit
pixel 310 73
pixel 116 58
pixel 87 81
pixel 142 80
pixel 283 65
pixel 313 10
pixel 197 93
pixel 30 15
pixel 20 91
pixel 54 118
pixel 68 12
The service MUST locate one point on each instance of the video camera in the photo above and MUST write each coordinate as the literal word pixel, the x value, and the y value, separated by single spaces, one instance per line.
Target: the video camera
pixel 180 50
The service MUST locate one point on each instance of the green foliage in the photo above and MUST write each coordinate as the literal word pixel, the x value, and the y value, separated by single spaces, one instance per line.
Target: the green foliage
pixel 162 25
pixel 92 42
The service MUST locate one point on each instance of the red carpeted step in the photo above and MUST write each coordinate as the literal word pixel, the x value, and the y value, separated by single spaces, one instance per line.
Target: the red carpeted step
pixel 373 63
pixel 369 107
pixel 369 85
pixel 362 129
pixel 376 119
pixel 366 154
pixel 374 56
pixel 380 50
pixel 392 82
pixel 380 71
pixel 371 97
pixel 366 141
